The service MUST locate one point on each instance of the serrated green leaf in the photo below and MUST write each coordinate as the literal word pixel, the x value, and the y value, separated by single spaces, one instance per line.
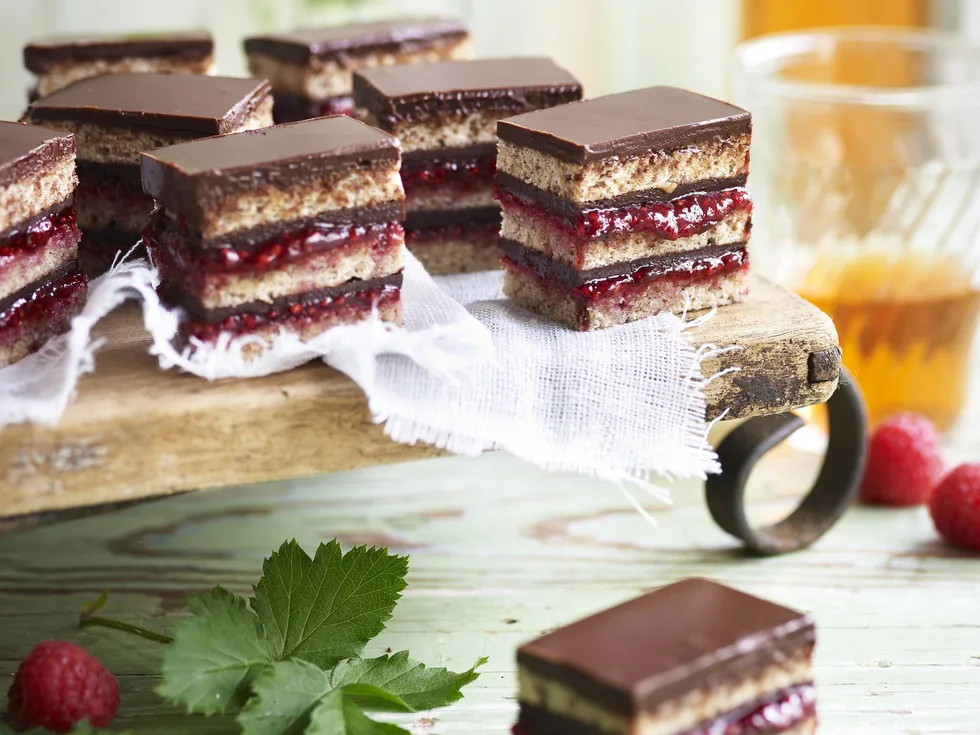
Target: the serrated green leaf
pixel 374 698
pixel 325 609
pixel 284 695
pixel 337 715
pixel 290 695
pixel 215 654
pixel 410 681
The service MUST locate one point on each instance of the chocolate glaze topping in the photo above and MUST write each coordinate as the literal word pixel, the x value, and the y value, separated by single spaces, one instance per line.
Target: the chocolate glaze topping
pixel 680 638
pixel 26 150
pixel 184 178
pixel 177 297
pixel 415 92
pixel 42 54
pixel 339 43
pixel 572 278
pixel 182 103
pixel 551 202
pixel 627 124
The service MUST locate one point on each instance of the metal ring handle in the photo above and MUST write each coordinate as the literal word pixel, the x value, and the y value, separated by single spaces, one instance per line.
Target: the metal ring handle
pixel 830 495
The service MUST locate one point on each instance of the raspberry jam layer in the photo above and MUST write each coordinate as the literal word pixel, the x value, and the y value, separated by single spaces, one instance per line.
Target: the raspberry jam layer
pixel 688 271
pixel 682 268
pixel 52 303
pixel 300 317
pixel 464 175
pixel 789 708
pixel 57 230
pixel 275 253
pixel 682 217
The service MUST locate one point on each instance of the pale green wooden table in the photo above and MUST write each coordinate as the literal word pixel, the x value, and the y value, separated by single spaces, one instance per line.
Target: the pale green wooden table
pixel 499 553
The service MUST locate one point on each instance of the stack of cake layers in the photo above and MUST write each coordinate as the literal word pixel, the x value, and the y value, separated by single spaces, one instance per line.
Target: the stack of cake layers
pixel 294 227
pixel 116 117
pixel 60 61
pixel 311 70
pixel 40 286
pixel 620 207
pixel 445 117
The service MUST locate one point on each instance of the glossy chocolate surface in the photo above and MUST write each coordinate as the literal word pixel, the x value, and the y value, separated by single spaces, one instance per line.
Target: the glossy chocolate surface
pixel 628 124
pixel 674 640
pixel 340 42
pixel 41 54
pixel 181 103
pixel 184 177
pixel 26 150
pixel 413 92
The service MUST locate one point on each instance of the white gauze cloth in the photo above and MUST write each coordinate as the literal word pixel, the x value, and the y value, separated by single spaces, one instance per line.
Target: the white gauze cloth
pixel 40 387
pixel 622 404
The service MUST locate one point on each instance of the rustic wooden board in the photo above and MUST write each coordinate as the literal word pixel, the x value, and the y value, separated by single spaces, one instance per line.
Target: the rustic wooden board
pixel 135 431
pixel 500 552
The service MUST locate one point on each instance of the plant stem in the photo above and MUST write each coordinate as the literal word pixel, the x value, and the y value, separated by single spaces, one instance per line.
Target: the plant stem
pixel 88 621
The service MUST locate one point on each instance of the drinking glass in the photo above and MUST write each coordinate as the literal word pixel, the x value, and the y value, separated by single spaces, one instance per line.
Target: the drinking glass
pixel 866 182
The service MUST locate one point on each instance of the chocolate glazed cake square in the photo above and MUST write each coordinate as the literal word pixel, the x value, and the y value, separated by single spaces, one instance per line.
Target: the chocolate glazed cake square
pixel 296 227
pixel 311 70
pixel 691 658
pixel 62 60
pixel 41 288
pixel 116 117
pixel 621 207
pixel 445 117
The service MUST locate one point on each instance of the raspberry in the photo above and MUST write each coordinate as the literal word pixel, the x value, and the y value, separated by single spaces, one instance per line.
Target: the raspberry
pixel 955 507
pixel 60 684
pixel 904 463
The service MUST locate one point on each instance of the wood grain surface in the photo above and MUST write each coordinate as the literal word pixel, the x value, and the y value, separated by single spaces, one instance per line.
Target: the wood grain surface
pixel 501 552
pixel 135 431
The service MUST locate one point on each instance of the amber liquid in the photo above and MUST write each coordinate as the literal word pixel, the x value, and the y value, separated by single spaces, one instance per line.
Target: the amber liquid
pixel 906 328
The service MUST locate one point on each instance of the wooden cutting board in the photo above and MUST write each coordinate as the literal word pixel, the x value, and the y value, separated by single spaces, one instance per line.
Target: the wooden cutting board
pixel 136 432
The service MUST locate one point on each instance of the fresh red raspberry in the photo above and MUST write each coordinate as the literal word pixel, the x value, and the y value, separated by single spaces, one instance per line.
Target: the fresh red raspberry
pixel 59 684
pixel 904 462
pixel 955 507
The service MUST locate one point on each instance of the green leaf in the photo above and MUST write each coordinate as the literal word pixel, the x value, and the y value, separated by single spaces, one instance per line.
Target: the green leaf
pixel 325 609
pixel 284 695
pixel 372 697
pixel 290 697
pixel 337 715
pixel 215 654
pixel 408 680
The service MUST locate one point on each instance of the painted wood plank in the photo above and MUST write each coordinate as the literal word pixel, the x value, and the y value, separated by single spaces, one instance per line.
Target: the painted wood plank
pixel 500 552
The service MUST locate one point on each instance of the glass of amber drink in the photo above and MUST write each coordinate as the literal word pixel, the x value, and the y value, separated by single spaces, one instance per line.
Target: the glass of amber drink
pixel 866 182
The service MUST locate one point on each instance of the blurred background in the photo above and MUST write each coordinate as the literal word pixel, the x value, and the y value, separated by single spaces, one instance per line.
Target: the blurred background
pixel 611 45
pixel 866 158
